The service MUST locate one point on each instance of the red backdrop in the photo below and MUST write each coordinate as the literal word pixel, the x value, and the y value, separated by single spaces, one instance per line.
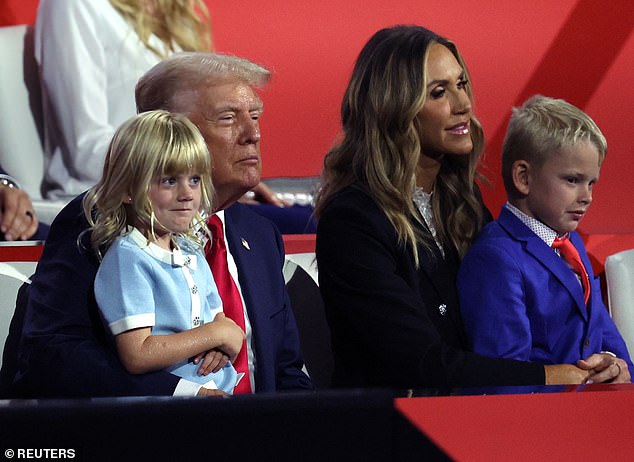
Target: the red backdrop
pixel 579 50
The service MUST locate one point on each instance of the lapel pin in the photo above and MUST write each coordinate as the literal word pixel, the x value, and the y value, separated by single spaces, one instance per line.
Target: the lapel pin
pixel 245 244
pixel 443 309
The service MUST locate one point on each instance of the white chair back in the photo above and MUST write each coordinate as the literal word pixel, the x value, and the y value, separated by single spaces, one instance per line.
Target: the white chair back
pixel 619 274
pixel 21 152
pixel 12 276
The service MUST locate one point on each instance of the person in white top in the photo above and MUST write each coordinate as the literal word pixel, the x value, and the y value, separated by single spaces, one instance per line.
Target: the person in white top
pixel 91 53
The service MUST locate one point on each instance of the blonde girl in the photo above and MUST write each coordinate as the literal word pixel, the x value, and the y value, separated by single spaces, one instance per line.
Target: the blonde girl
pixel 154 288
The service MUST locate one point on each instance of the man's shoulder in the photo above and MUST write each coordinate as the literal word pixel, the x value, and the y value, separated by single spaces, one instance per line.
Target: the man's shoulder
pixel 67 237
pixel 73 211
pixel 70 222
pixel 241 215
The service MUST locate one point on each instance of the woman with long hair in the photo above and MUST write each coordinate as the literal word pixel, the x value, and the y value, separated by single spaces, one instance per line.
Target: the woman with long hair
pixel 398 208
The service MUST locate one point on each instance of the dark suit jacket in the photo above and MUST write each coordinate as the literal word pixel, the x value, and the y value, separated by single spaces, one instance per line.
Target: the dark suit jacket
pixel 521 300
pixel 66 353
pixel 394 325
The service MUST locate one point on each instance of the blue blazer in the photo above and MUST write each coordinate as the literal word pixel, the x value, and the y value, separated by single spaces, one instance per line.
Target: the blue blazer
pixel 65 349
pixel 520 300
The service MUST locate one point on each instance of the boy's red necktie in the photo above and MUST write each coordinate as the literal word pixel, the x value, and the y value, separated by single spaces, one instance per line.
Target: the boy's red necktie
pixel 571 255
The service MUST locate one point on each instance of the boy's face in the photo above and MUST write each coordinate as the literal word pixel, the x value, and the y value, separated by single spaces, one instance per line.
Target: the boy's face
pixel 560 192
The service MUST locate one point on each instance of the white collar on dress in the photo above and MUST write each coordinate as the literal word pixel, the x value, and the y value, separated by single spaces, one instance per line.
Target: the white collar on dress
pixel 175 257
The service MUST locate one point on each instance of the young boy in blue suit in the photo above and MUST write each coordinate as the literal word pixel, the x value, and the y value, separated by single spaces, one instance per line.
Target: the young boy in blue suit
pixel 520 297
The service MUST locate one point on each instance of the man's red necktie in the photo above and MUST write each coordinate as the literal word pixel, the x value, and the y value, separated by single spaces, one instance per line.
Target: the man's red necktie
pixel 571 255
pixel 231 301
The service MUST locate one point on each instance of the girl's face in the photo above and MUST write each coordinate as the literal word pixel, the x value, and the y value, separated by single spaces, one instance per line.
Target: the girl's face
pixel 446 114
pixel 175 200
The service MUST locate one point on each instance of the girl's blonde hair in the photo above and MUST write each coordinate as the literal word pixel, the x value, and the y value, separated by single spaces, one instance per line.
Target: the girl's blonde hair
pixel 180 24
pixel 147 147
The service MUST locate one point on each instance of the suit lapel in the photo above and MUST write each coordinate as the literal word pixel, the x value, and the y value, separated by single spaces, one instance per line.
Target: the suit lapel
pixel 432 263
pixel 239 248
pixel 536 247
pixel 441 273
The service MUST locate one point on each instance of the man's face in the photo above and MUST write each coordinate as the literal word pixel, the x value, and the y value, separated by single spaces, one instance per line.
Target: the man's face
pixel 228 114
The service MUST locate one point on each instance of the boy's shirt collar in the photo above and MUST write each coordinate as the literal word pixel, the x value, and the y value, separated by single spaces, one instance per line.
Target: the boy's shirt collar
pixel 544 232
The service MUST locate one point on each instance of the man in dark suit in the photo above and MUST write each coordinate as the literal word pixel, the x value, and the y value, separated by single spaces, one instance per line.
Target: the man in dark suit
pixel 66 351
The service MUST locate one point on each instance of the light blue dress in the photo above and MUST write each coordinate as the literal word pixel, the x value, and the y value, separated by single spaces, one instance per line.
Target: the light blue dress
pixel 140 284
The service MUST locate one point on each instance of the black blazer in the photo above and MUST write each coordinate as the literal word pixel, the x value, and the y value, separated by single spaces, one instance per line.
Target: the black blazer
pixel 394 325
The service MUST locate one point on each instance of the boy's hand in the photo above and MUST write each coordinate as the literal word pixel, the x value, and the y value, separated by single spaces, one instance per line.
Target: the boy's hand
pixel 605 368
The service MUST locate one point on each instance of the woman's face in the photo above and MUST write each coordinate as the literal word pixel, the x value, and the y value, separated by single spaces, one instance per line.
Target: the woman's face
pixel 445 116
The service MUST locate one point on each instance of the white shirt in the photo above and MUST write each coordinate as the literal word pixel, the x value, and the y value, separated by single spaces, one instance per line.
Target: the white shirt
pixel 185 388
pixel 545 232
pixel 90 61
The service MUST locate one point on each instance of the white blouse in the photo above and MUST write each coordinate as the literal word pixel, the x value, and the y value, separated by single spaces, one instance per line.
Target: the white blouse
pixel 90 60
pixel 423 203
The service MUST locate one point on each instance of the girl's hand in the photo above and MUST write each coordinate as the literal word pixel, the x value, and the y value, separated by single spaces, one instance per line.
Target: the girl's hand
pixel 211 361
pixel 233 336
pixel 206 392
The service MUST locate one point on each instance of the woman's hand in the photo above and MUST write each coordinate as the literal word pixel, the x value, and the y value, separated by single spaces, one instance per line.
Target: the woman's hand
pixel 558 374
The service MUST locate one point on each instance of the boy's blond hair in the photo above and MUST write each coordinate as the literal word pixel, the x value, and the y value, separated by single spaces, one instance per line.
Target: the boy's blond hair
pixel 543 127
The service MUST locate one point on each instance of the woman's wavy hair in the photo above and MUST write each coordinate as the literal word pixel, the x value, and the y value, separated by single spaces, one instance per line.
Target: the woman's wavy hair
pixel 180 24
pixel 381 142
pixel 146 148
